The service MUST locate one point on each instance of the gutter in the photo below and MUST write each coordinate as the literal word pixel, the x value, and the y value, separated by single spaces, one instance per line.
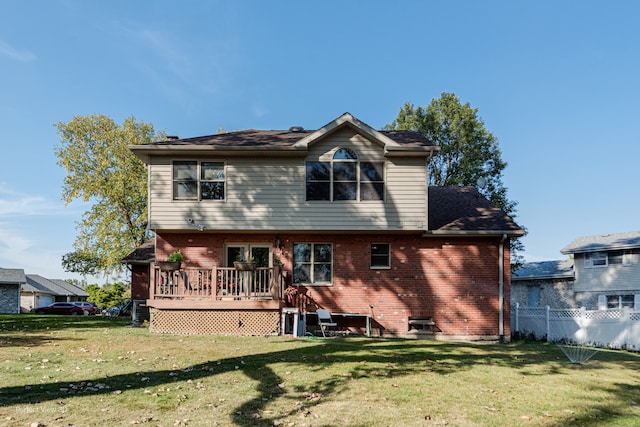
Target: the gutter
pixel 144 152
pixel 501 287
pixel 514 233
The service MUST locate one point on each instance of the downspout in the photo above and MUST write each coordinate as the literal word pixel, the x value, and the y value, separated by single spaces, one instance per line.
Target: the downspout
pixel 501 286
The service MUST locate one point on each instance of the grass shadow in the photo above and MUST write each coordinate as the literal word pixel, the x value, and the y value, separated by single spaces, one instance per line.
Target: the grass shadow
pixel 365 357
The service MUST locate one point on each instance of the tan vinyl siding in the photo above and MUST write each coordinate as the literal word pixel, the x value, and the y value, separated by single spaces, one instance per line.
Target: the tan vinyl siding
pixel 269 193
pixel 613 277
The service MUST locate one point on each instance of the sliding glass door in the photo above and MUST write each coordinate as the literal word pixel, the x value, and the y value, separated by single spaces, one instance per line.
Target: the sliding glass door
pixel 259 253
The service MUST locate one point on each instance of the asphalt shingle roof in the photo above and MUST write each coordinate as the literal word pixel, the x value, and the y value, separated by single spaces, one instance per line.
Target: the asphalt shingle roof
pixel 281 138
pixel 465 209
pixel 70 287
pixel 143 254
pixel 544 270
pixel 626 240
pixel 36 283
pixel 12 276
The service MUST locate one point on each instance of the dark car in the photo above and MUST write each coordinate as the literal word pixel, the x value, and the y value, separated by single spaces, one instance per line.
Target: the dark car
pixel 60 308
pixel 88 307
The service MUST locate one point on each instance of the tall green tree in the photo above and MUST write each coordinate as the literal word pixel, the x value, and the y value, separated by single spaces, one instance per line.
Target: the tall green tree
pixel 109 295
pixel 469 153
pixel 103 172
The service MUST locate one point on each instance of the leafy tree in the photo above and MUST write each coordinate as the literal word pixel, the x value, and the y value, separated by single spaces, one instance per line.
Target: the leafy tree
pixel 80 262
pixel 109 295
pixel 469 153
pixel 102 171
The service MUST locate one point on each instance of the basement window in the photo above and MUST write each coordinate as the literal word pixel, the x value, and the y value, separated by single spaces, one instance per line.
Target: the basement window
pixel 380 255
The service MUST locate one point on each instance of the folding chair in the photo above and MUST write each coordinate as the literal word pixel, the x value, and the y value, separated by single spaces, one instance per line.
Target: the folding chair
pixel 325 320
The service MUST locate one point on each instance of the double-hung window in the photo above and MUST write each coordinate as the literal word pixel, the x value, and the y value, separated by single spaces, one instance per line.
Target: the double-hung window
pixel 623 257
pixel 595 259
pixel 312 263
pixel 620 301
pixel 345 178
pixel 194 180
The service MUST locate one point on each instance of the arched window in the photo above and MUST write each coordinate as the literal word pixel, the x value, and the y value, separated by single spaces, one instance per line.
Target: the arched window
pixel 345 175
pixel 345 178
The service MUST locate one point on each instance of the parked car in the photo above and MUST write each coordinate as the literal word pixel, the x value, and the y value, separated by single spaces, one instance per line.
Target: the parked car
pixel 60 308
pixel 88 307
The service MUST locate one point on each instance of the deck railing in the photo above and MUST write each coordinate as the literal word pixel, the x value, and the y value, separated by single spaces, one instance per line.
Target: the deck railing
pixel 218 283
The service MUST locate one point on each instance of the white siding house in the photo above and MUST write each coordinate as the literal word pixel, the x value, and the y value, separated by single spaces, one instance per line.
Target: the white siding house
pixel 607 268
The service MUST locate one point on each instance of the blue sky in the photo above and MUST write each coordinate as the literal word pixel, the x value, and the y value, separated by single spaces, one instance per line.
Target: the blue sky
pixel 555 82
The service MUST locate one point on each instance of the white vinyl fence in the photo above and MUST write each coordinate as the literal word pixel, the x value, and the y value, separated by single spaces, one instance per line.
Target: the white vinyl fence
pixel 597 328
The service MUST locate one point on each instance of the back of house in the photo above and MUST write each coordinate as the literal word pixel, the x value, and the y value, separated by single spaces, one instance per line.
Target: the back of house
pixel 340 218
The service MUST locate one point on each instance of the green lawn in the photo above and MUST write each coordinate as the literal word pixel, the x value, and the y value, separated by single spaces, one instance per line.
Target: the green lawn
pixel 84 371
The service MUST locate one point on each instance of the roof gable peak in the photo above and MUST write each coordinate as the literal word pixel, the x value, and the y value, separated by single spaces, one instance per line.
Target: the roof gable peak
pixel 346 119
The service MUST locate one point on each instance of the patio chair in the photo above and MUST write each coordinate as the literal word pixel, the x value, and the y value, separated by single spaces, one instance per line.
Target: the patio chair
pixel 325 320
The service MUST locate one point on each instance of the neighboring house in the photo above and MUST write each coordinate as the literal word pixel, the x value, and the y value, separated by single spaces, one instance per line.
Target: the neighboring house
pixel 607 269
pixel 347 211
pixel 11 279
pixel 546 283
pixel 38 292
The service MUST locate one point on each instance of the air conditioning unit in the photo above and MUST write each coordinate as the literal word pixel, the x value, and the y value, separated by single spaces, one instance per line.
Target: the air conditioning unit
pixel 139 311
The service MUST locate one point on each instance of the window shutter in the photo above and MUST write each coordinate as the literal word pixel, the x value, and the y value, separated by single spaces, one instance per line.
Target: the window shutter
pixel 636 302
pixel 602 302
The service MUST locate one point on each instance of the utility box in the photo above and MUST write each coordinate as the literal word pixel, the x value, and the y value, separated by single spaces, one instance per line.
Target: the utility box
pixel 292 322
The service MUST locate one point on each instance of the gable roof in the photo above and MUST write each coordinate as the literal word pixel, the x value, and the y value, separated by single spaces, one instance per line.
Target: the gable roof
pixel 463 210
pixel 12 276
pixel 627 240
pixel 559 269
pixel 293 141
pixel 70 287
pixel 36 283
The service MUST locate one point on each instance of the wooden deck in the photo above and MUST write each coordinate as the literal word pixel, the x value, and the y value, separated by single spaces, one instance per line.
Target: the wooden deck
pixel 221 288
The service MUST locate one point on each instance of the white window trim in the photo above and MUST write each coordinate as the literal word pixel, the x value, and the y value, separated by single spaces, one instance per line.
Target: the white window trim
pixel 247 249
pixel 588 260
pixel 603 301
pixel 358 181
pixel 312 262
pixel 199 181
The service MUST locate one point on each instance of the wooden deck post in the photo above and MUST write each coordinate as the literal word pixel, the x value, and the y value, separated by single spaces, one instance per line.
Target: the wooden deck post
pixel 276 280
pixel 152 281
pixel 214 282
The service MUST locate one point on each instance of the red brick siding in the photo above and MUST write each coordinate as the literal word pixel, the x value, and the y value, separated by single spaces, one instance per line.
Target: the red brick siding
pixel 454 280
pixel 140 282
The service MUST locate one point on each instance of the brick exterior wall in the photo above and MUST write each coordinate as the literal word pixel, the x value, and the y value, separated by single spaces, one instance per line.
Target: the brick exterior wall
pixel 454 280
pixel 10 299
pixel 140 281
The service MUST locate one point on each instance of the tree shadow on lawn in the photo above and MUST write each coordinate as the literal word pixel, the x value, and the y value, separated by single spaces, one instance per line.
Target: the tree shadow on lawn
pixel 392 358
pixel 12 325
pixel 52 322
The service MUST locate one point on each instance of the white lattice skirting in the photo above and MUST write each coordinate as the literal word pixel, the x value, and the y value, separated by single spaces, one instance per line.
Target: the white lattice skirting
pixel 215 322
